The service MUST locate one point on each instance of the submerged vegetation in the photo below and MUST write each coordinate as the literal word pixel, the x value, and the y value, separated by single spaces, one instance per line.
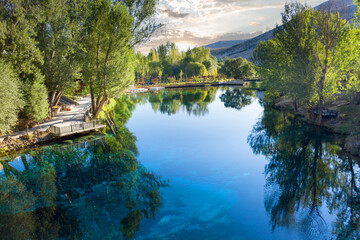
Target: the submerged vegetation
pixel 67 191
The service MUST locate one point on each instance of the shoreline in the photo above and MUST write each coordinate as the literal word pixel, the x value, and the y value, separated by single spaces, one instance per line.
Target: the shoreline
pixel 332 125
pixel 46 139
pixel 10 144
pixel 234 82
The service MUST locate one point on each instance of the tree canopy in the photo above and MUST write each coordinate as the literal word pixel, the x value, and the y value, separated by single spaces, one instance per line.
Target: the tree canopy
pixel 168 61
pixel 11 97
pixel 50 45
pixel 308 57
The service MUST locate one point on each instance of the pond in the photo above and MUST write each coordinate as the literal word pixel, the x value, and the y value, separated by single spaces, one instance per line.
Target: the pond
pixel 201 163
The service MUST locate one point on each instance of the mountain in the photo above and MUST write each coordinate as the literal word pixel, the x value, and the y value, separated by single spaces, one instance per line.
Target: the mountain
pixel 246 48
pixel 347 8
pixel 221 44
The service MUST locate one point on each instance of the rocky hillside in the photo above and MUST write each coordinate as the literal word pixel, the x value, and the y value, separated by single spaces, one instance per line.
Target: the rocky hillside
pixel 222 44
pixel 246 48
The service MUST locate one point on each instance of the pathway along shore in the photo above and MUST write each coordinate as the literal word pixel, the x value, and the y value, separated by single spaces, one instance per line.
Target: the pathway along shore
pixel 11 141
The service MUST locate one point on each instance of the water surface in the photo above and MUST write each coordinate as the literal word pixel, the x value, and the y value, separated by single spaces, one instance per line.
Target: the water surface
pixel 186 164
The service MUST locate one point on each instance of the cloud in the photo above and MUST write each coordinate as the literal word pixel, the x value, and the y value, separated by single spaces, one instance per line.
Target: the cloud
pixel 191 38
pixel 175 14
pixel 201 22
pixel 256 24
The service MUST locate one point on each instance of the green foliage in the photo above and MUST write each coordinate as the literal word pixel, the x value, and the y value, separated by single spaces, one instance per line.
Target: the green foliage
pixel 168 62
pixel 30 136
pixel 11 97
pixel 144 24
pixel 237 98
pixel 211 64
pixel 308 56
pixel 194 69
pixel 52 42
pixel 237 68
pixel 109 57
pixel 58 181
pixel 299 154
pixel 18 28
pixel 193 101
pixel 36 107
pixel 59 40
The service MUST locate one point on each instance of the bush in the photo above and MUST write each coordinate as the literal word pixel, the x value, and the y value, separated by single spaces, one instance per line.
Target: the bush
pixel 11 97
pixel 37 106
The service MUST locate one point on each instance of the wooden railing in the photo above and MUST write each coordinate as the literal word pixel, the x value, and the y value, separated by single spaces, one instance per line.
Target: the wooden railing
pixel 72 128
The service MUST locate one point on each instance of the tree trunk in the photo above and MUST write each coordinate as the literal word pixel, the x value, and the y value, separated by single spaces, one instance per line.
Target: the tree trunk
pixel 319 112
pixel 311 113
pixel 295 105
pixel 357 98
pixel 58 97
pixel 92 96
pixel 98 107
pixel 321 97
pixel 51 102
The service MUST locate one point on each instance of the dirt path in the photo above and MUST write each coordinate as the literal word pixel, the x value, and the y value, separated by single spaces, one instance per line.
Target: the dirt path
pixel 75 115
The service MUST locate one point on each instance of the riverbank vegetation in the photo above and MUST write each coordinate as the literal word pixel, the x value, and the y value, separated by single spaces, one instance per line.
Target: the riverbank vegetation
pixel 46 48
pixel 311 60
pixel 167 64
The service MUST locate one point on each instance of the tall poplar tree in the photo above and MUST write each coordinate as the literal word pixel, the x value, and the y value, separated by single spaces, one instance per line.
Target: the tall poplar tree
pixel 109 56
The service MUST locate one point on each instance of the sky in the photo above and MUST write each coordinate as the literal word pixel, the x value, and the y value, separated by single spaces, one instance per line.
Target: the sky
pixel 191 23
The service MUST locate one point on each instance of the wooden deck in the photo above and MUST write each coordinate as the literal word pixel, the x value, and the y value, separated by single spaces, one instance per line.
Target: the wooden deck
pixel 69 128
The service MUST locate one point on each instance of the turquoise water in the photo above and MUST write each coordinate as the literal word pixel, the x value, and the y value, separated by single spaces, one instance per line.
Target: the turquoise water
pixel 188 164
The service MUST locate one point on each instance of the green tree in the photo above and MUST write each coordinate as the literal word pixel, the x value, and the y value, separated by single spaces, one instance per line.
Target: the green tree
pixel 109 56
pixel 18 46
pixel 329 56
pixel 308 57
pixel 282 60
pixel 193 69
pixel 237 68
pixel 36 106
pixel 11 97
pixel 301 162
pixel 144 24
pixel 160 74
pixel 59 40
pixel 237 98
pixel 181 74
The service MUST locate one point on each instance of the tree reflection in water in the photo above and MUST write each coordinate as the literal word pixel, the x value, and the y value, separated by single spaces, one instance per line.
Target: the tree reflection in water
pixel 193 100
pixel 237 98
pixel 80 191
pixel 306 171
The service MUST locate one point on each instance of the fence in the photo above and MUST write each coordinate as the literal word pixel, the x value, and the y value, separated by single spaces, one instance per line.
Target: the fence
pixel 72 128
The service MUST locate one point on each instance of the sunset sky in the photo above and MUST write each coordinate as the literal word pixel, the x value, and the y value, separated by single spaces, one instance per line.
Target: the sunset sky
pixel 191 23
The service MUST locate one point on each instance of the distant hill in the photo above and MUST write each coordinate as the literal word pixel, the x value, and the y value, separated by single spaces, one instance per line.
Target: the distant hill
pixel 222 44
pixel 246 48
pixel 347 8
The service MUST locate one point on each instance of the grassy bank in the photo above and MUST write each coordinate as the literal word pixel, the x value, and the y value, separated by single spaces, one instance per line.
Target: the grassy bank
pixel 347 121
